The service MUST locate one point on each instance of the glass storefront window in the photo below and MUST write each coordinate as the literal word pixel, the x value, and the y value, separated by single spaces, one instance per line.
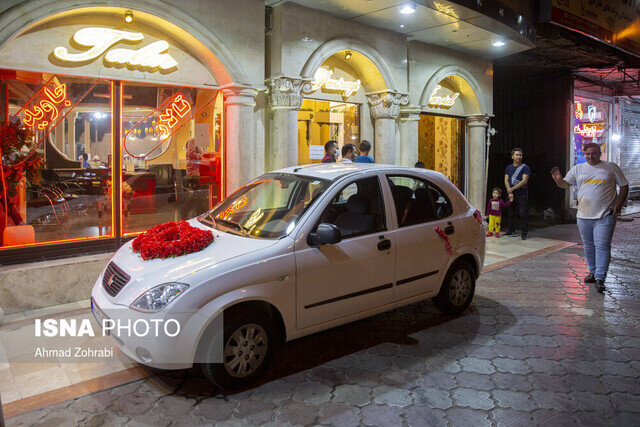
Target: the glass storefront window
pixel 321 121
pixel 170 145
pixel 171 153
pixel 590 124
pixel 68 120
pixel 441 146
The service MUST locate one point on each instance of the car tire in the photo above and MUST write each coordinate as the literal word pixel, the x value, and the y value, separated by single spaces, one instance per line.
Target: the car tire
pixel 457 289
pixel 249 343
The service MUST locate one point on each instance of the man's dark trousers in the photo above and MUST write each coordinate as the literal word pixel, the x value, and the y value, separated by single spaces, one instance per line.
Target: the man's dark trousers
pixel 520 206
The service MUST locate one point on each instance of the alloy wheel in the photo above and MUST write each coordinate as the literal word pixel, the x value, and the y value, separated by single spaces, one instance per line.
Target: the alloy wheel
pixel 460 287
pixel 245 350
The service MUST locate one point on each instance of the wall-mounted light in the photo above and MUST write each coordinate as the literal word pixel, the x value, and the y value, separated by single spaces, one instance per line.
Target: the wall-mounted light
pixel 348 55
pixel 408 8
pixel 615 137
pixel 498 43
pixel 128 17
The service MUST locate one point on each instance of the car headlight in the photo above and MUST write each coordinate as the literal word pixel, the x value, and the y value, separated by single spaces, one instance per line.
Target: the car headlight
pixel 155 299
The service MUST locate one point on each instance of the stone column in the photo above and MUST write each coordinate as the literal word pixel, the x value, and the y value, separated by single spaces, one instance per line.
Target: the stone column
pixel 385 108
pixel 242 148
pixel 476 131
pixel 285 99
pixel 409 118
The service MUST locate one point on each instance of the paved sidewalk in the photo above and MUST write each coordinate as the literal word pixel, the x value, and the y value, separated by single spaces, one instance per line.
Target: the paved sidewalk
pixel 538 347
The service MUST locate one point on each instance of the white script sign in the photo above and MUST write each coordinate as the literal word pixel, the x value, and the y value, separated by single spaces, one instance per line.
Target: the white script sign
pixel 322 79
pixel 442 101
pixel 99 40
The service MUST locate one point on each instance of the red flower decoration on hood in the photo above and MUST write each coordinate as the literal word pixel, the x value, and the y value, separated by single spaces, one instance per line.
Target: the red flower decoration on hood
pixel 171 239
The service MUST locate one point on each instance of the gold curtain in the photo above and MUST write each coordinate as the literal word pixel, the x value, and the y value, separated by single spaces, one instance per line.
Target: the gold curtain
pixel 441 146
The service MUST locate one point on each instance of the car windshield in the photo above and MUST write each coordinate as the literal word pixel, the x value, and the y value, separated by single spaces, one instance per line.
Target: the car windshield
pixel 268 207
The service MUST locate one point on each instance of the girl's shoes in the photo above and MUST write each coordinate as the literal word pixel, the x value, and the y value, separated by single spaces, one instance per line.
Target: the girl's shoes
pixel 489 234
pixel 497 234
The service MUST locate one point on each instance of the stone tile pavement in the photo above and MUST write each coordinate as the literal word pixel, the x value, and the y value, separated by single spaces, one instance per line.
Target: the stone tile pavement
pixel 538 346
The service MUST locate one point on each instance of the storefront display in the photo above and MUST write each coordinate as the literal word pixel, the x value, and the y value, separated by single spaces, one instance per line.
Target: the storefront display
pixel 321 121
pixel 591 123
pixel 119 154
pixel 334 112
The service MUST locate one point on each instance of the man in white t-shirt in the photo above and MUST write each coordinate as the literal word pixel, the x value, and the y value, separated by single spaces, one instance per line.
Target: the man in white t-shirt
pixel 598 207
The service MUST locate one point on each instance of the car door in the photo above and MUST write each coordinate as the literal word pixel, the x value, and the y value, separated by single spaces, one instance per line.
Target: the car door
pixel 421 208
pixel 355 274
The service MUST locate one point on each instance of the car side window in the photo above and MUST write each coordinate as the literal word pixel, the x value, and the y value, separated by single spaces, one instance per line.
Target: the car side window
pixel 417 200
pixel 357 209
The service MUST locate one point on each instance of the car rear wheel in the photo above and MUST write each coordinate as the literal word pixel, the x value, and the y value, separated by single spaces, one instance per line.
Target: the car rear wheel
pixel 457 289
pixel 249 343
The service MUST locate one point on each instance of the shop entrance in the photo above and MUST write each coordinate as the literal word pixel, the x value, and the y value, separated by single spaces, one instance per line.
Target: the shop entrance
pixel 441 146
pixel 321 121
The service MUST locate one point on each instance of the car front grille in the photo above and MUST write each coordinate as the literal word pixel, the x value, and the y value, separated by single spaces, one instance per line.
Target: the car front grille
pixel 114 279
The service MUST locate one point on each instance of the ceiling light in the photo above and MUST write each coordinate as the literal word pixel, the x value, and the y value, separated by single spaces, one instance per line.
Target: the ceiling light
pixel 347 55
pixel 128 17
pixel 498 43
pixel 615 137
pixel 408 8
pixel 401 25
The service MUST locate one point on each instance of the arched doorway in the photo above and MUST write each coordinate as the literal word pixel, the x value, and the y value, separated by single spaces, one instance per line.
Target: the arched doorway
pixel 366 113
pixel 306 116
pixel 451 130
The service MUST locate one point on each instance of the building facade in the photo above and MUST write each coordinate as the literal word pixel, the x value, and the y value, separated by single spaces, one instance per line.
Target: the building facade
pixel 145 112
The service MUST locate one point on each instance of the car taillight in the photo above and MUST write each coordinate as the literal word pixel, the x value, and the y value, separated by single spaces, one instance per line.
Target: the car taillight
pixel 478 216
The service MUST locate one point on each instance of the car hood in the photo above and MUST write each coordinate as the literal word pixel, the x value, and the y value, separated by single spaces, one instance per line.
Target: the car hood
pixel 147 274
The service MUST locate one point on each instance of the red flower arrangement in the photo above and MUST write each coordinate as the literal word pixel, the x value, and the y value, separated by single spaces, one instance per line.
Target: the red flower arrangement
pixel 171 239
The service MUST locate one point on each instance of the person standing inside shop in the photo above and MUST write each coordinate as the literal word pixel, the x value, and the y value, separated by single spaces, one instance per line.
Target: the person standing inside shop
pixel 598 207
pixel 364 157
pixel 516 180
pixel 331 152
pixel 85 161
pixel 194 154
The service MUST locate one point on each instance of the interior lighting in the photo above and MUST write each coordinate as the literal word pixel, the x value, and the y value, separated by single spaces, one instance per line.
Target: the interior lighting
pixel 615 137
pixel 401 25
pixel 347 55
pixel 408 8
pixel 498 43
pixel 128 17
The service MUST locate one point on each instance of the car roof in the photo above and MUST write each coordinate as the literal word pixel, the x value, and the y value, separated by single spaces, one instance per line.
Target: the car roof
pixel 334 171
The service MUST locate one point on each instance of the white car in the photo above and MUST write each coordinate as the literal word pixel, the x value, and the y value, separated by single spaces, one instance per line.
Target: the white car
pixel 297 251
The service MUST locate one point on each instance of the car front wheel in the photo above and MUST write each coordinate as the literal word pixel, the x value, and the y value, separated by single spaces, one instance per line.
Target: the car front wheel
pixel 457 289
pixel 249 342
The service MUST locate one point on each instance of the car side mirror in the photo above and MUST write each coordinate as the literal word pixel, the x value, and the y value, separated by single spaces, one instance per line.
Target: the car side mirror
pixel 326 234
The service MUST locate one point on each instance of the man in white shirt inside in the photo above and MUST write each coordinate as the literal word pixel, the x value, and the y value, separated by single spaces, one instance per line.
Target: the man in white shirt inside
pixel 598 207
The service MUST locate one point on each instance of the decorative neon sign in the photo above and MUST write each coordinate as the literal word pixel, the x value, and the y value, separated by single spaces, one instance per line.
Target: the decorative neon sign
pixel 588 130
pixel 50 106
pixel 442 101
pixel 591 113
pixel 322 79
pixel 578 113
pixel 169 119
pixel 99 40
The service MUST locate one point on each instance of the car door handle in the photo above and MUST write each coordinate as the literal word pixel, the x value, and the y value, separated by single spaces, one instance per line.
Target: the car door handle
pixel 384 245
pixel 449 230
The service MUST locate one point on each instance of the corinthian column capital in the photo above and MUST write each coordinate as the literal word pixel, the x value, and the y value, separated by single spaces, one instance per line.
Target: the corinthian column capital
pixel 386 104
pixel 285 93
